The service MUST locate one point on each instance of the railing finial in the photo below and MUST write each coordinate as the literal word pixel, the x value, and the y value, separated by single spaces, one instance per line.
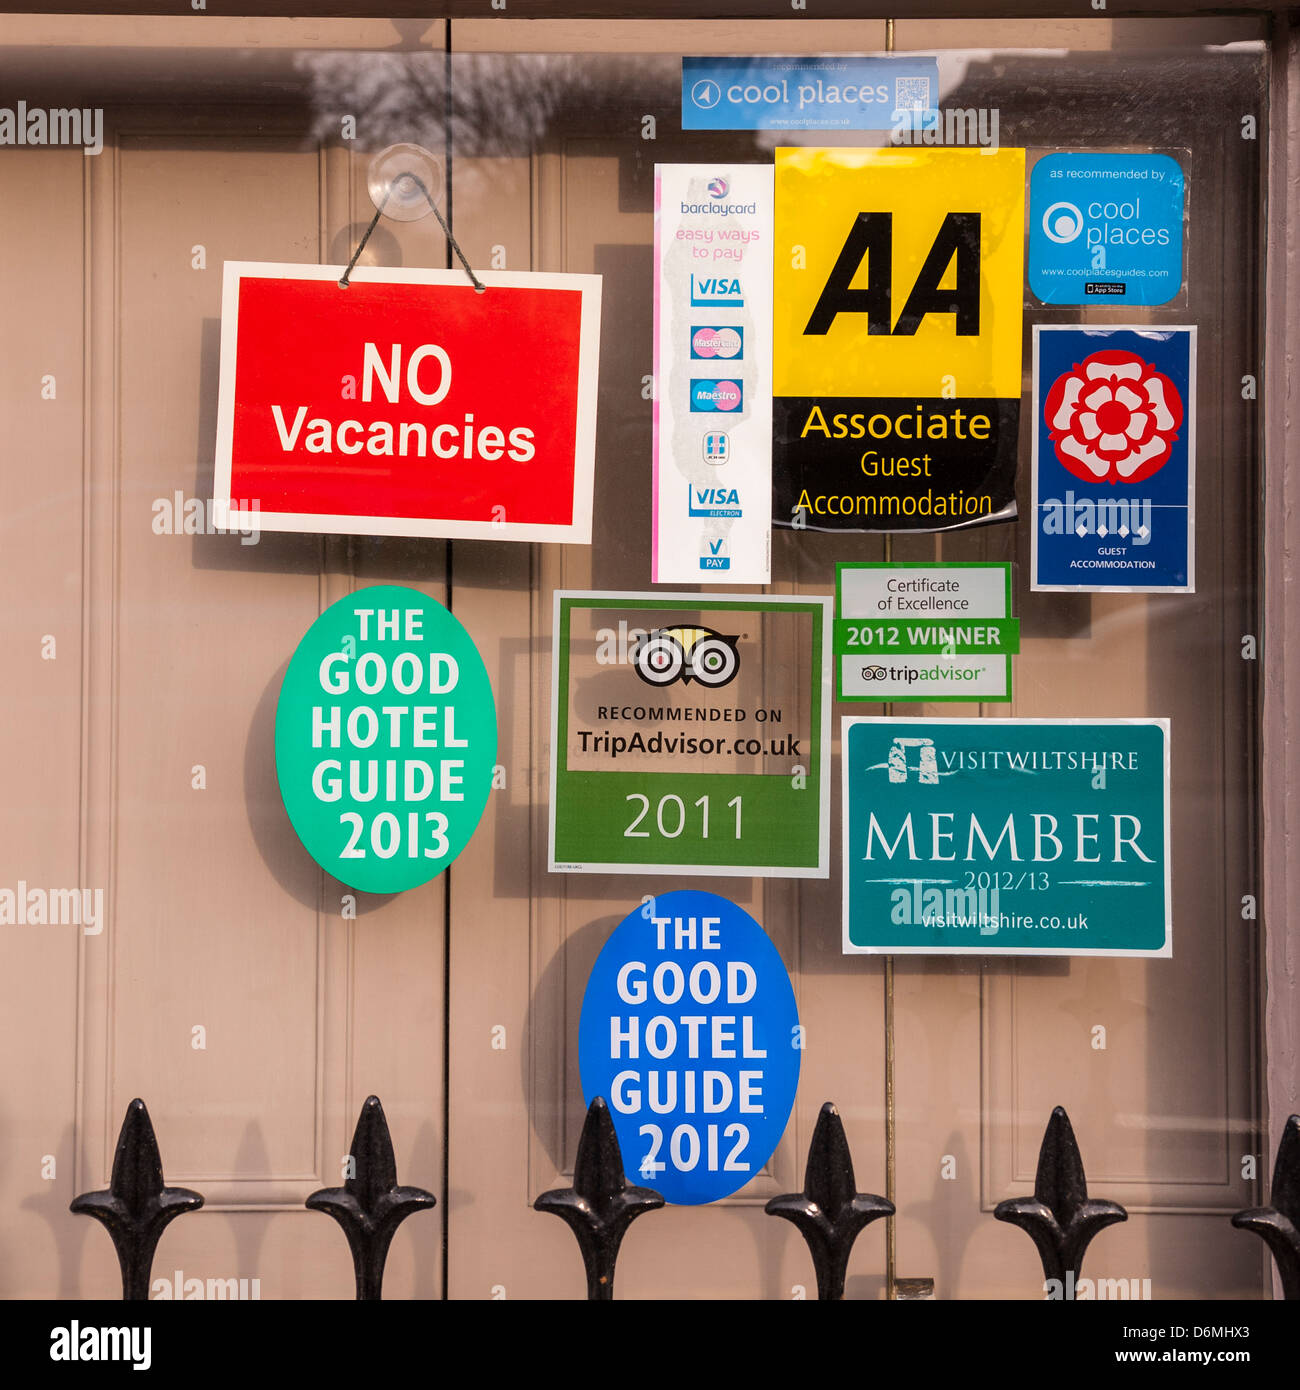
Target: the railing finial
pixel 1278 1224
pixel 137 1205
pixel 600 1205
pixel 1060 1217
pixel 830 1212
pixel 370 1205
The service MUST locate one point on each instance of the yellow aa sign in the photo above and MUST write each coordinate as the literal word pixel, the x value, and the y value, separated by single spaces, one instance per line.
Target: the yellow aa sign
pixel 897 337
pixel 913 266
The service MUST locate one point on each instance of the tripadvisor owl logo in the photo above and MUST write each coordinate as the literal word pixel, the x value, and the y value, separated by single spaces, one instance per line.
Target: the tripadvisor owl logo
pixel 687 654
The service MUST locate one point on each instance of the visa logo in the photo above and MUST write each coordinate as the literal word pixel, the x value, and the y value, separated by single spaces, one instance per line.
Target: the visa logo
pixel 712 501
pixel 716 291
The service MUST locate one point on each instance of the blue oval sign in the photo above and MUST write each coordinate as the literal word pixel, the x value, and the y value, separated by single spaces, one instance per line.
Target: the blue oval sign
pixel 690 1032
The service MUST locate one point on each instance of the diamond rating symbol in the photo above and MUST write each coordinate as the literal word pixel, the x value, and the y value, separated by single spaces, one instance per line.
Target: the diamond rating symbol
pixel 1081 530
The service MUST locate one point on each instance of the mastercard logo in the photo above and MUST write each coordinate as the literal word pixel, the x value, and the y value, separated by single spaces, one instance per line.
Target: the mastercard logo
pixel 717 342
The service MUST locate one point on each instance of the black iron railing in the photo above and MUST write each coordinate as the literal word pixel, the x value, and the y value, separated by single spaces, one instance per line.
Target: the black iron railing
pixel 1061 1218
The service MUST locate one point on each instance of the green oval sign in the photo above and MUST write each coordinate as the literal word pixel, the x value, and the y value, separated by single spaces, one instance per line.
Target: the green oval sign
pixel 385 739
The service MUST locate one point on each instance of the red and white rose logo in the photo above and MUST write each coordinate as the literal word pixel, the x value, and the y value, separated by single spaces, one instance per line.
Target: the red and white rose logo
pixel 1113 418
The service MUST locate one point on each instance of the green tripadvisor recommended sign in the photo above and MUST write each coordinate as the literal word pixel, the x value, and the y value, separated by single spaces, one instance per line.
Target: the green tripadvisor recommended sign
pixel 689 735
pixel 385 739
pixel 1019 836
pixel 940 631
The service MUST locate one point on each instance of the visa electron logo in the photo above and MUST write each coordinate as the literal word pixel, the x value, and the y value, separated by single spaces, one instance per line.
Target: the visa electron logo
pixel 710 395
pixel 712 501
pixel 1113 418
pixel 687 654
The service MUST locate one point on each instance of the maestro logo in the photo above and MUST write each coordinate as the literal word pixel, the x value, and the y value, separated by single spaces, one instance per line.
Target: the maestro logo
pixel 687 654
pixel 1113 418
pixel 1062 223
pixel 710 395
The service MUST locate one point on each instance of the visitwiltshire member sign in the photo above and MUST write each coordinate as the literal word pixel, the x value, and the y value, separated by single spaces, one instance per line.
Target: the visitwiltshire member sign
pixel 690 734
pixel 1006 836
pixel 408 404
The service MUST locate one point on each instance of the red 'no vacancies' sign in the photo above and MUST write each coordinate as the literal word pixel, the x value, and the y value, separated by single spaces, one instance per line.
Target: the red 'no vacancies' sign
pixel 408 404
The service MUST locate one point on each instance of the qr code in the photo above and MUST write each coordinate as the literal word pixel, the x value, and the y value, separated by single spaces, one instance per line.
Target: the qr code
pixel 911 94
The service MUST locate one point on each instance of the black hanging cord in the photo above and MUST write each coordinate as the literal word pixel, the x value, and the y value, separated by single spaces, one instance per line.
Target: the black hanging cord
pixel 361 245
pixel 478 284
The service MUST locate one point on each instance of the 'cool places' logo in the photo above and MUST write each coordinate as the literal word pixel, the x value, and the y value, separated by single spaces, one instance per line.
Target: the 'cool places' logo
pixel 1111 223
pixel 1112 418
